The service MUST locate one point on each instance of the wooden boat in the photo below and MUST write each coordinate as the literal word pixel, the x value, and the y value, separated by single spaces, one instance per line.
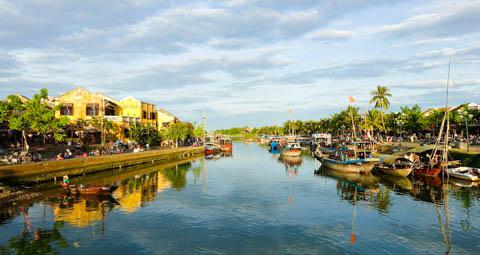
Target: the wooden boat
pixel 424 164
pixel 211 148
pixel 396 165
pixel 464 173
pixel 292 150
pixel 225 144
pixel 346 159
pixel 91 190
pixel 350 165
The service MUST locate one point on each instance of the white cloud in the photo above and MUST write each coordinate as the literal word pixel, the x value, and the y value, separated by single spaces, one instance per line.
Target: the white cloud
pixel 330 35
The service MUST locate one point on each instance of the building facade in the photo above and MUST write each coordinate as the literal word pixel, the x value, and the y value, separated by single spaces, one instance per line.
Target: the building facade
pixel 81 104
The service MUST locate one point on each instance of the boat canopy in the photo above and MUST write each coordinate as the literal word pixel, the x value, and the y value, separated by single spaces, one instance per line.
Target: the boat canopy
pixel 423 149
pixel 393 158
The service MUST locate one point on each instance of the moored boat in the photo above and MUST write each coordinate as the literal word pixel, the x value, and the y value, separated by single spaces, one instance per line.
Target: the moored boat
pixel 211 148
pixel 292 150
pixel 347 159
pixel 464 173
pixel 396 165
pixel 225 144
pixel 91 190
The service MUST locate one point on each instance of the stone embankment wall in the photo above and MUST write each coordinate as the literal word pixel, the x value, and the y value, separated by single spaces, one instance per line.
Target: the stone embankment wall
pixel 49 170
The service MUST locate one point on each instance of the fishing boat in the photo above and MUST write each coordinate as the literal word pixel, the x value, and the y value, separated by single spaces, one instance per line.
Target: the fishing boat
pixel 396 165
pixel 211 148
pixel 425 164
pixel 91 190
pixel 464 173
pixel 292 150
pixel 346 159
pixel 225 144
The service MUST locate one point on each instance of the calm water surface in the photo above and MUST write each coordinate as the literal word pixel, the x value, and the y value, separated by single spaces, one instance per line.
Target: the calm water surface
pixel 248 203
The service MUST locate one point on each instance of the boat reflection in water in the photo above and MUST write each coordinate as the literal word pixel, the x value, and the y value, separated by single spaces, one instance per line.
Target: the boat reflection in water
pixel 291 164
pixel 349 184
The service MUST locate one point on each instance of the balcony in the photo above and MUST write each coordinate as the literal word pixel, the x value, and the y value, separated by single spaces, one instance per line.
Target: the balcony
pixel 122 119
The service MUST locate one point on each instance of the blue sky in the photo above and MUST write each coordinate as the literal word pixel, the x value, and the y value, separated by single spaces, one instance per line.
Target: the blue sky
pixel 246 61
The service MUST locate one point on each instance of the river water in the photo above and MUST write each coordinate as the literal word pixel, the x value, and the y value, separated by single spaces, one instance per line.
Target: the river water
pixel 247 203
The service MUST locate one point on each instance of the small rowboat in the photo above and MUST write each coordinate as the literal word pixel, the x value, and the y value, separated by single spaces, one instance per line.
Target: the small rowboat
pixel 464 173
pixel 91 190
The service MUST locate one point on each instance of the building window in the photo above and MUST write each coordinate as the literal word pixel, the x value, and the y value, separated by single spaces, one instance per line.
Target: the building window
pixel 144 114
pixel 66 109
pixel 92 109
pixel 152 115
pixel 109 111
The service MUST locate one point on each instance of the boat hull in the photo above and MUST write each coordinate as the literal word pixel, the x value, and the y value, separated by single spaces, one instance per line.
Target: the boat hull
pixel 455 173
pixel 292 153
pixel 360 167
pixel 431 172
pixel 403 172
pixel 226 148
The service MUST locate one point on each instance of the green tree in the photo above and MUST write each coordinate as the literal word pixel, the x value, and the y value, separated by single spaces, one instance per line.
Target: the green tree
pixel 177 132
pixel 372 121
pixel 145 135
pixel 33 116
pixel 410 119
pixel 198 130
pixel 380 98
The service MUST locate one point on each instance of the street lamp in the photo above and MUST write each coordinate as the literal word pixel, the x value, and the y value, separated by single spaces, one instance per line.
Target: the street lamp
pixel 466 117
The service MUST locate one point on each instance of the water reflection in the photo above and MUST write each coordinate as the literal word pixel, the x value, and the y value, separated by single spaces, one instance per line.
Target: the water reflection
pixel 291 164
pixel 245 211
pixel 81 211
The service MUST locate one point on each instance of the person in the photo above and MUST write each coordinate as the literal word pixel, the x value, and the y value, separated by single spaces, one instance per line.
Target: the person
pixel 66 180
pixel 68 154
pixel 60 156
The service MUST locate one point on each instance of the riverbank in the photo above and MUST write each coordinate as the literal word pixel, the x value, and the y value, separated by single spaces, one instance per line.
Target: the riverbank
pixel 49 170
pixel 31 194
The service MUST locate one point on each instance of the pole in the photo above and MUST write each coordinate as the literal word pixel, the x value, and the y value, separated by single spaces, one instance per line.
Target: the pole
pixel 101 122
pixel 468 136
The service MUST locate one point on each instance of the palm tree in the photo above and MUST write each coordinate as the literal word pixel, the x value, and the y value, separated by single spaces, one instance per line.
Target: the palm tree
pixel 380 98
pixel 372 121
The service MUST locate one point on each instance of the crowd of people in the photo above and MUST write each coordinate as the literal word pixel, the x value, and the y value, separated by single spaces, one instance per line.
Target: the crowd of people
pixel 78 150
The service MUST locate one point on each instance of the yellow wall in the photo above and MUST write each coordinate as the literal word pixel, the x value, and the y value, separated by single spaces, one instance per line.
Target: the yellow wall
pixel 135 108
pixel 164 118
pixel 80 97
pixel 128 107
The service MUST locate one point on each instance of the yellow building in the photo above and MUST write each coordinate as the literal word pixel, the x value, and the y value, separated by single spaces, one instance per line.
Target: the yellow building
pixel 80 103
pixel 134 108
pixel 164 119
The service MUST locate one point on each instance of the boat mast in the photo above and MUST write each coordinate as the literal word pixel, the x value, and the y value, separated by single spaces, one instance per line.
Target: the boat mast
pixel 447 114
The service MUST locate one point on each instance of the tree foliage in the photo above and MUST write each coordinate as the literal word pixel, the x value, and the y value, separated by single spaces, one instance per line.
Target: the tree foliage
pixel 33 116
pixel 145 135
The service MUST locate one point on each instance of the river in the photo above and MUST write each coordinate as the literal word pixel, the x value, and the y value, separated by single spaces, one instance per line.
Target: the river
pixel 247 203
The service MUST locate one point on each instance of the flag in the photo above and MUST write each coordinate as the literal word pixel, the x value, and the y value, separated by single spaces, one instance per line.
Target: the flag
pixel 351 99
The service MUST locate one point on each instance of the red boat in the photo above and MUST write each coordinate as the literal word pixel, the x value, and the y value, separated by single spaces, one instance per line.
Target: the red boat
pixel 431 172
pixel 211 148
pixel 225 144
pixel 91 190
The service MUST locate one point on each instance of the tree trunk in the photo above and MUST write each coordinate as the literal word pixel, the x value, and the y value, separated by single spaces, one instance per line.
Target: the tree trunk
pixel 43 140
pixel 383 124
pixel 25 142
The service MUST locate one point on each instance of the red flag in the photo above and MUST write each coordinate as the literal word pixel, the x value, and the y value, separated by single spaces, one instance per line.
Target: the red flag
pixel 351 99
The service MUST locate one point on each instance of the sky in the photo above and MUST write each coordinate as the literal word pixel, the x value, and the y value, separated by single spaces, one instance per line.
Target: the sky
pixel 246 62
